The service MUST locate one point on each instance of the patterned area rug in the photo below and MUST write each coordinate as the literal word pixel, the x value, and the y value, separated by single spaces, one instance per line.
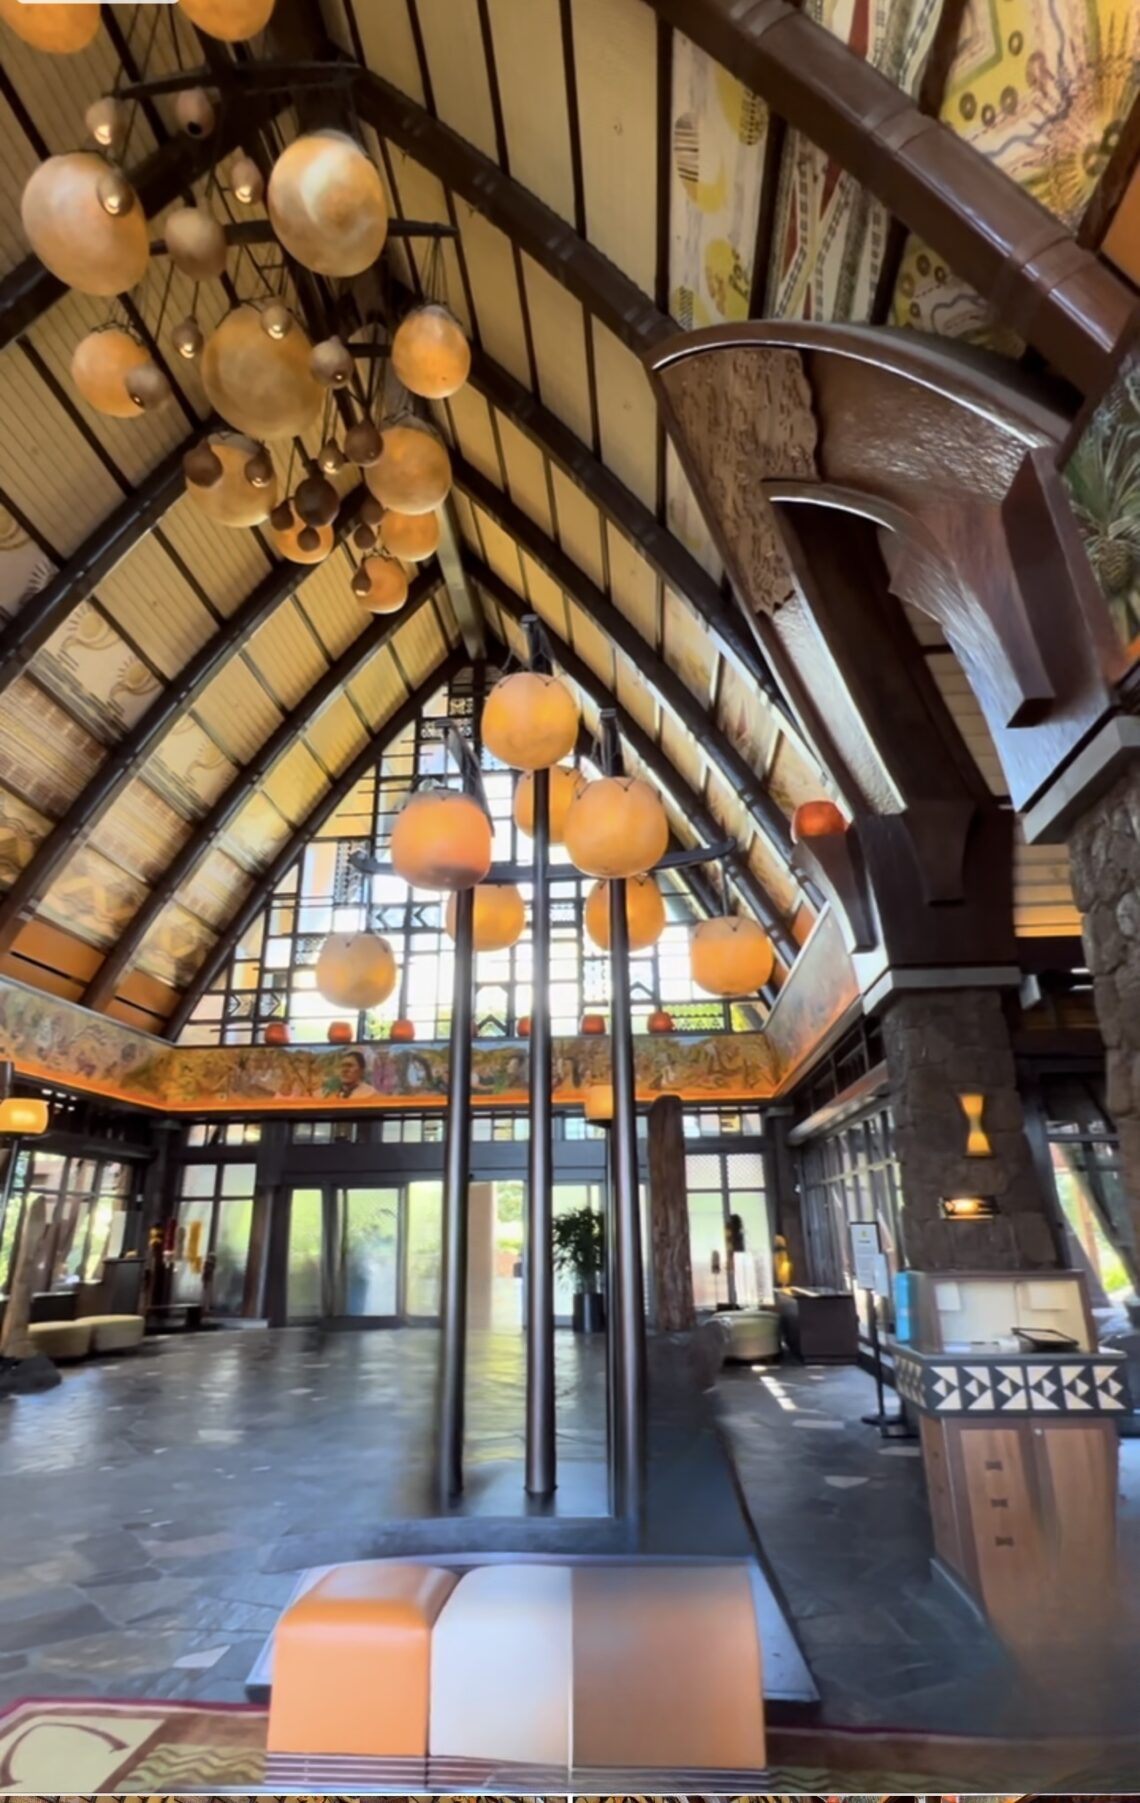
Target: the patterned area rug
pixel 53 1749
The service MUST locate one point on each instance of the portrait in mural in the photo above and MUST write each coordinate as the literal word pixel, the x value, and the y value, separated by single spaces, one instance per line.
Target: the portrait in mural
pixel 1103 479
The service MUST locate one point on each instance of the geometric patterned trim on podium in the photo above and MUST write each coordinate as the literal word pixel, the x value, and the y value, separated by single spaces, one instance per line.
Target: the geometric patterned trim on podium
pixel 1028 1386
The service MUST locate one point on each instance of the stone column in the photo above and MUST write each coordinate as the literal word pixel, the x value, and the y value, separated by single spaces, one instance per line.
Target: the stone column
pixel 1105 850
pixel 669 1217
pixel 940 1044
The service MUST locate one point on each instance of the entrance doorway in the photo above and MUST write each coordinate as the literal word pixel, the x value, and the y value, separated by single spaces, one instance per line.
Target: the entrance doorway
pixel 364 1252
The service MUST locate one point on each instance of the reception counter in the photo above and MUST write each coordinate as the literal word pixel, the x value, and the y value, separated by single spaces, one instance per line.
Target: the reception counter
pixel 1020 1452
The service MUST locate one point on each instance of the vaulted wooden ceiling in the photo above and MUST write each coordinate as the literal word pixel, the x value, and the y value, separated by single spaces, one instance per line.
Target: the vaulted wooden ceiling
pixel 176 702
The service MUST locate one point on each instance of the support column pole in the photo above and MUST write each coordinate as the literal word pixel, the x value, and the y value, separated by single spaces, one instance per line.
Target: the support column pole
pixel 631 1310
pixel 541 1470
pixel 457 1172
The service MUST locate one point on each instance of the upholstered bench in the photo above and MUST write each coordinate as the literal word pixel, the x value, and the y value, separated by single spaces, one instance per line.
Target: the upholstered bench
pixel 114 1333
pixel 61 1340
pixel 752 1335
pixel 351 1665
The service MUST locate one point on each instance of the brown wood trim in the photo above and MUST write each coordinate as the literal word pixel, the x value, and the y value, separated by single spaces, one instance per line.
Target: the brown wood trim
pixel 993 234
pixel 1118 172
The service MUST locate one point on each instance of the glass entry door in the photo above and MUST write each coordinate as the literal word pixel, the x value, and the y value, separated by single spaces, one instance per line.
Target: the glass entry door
pixel 364 1252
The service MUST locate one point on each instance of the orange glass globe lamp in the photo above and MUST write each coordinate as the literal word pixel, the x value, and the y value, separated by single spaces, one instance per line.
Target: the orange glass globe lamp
pixel 100 364
pixel 402 1032
pixel 524 1026
pixel 258 382
pixel 530 721
pixel 413 471
pixel 566 784
pixel 231 20
pixel 84 220
pixel 277 1033
pixel 729 955
pixel 441 840
pixel 660 1022
pixel 63 28
pixel 341 1032
pixel 598 1103
pixel 327 204
pixel 816 820
pixel 499 917
pixel 356 970
pixel 381 585
pixel 644 913
pixel 593 1025
pixel 413 537
pixel 616 827
pixel 430 354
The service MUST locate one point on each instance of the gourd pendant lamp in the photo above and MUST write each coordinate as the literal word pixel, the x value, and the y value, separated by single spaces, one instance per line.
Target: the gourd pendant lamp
pixel 530 721
pixel 730 955
pixel 441 840
pixel 617 827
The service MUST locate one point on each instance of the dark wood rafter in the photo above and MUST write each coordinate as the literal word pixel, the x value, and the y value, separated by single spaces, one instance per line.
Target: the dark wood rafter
pixel 90 806
pixel 101 989
pixel 1066 303
pixel 1120 170
pixel 648 753
pixel 661 549
pixel 111 541
pixel 931 93
pixel 686 708
pixel 270 878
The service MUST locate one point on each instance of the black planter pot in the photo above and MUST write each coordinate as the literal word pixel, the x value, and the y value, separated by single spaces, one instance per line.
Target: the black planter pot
pixel 589 1312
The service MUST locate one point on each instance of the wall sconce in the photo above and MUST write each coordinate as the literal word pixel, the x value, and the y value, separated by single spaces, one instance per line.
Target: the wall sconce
pixel 977 1139
pixel 968 1208
pixel 23 1114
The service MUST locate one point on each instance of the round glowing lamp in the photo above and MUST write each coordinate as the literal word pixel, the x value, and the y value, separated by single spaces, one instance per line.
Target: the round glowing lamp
pixel 498 920
pixel 430 354
pixel 441 840
pixel 566 784
pixel 616 827
pixel 23 1114
pixel 730 955
pixel 530 721
pixel 277 1033
pixel 356 970
pixel 403 1032
pixel 816 820
pixel 644 913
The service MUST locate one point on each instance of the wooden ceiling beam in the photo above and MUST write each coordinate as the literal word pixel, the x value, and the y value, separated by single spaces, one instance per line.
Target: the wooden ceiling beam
pixel 74 829
pixel 101 990
pixel 655 672
pixel 991 232
pixel 269 879
pixel 30 629
pixel 647 751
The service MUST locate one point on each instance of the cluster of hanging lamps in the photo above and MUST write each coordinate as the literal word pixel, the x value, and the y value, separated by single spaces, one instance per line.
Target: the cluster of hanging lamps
pixel 296 540
pixel 498 918
pixel 644 913
pixel 441 840
pixel 566 784
pixel 230 478
pixel 356 970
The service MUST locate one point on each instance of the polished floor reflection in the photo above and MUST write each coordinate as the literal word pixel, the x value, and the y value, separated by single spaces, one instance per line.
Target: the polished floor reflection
pixel 156 1509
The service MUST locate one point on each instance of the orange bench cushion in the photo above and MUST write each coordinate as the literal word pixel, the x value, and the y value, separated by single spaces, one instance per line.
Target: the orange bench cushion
pixel 352 1662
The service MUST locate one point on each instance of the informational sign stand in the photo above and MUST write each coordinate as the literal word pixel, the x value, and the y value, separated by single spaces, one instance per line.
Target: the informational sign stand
pixel 872 1275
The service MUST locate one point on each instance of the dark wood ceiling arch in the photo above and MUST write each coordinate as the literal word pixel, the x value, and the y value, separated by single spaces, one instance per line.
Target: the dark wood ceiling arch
pixel 102 988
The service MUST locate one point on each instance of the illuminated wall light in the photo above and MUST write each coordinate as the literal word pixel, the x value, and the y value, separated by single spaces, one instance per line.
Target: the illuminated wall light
pixel 968 1208
pixel 977 1139
pixel 23 1114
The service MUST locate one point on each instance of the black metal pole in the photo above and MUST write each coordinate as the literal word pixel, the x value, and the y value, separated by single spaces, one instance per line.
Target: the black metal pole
pixel 540 1454
pixel 631 1311
pixel 457 1170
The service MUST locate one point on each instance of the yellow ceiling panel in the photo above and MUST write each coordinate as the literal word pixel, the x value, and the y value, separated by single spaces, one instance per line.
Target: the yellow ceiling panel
pixel 337 734
pixel 419 646
pixel 21 830
pixel 465 518
pixel 156 607
pixel 500 550
pixel 1042 890
pixel 216 889
pixel 237 711
pixel 93 898
pixel 591 644
pixel 421 196
pixel 17 161
pixel 286 654
pixel 968 717
pixel 379 689
pixel 228 564
pixel 493 617
pixel 689 650
pixel 386 38
pixel 793 777
pixel 326 598
pixel 532 91
pixel 515 637
pixel 579 527
pixel 256 834
pixel 745 718
pixel 633 584
pixel 45 755
pixel 88 667
pixel 494 290
pixel 295 783
pixel 142 832
pixel 470 421
pixel 769 869
pixel 615 56
pixel 57 90
pixel 558 330
pixel 46 468
pixel 682 750
pixel 726 806
pixel 135 445
pixel 635 697
pixel 453 42
pixel 684 517
pixel 189 769
pixel 627 415
pixel 545 596
pixel 526 471
pixel 175 946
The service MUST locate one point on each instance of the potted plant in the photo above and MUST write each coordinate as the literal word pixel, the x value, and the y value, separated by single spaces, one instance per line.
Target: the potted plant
pixel 579 1253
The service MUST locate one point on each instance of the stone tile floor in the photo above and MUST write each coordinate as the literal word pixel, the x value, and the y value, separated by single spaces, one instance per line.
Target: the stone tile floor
pixel 155 1509
pixel 843 1521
